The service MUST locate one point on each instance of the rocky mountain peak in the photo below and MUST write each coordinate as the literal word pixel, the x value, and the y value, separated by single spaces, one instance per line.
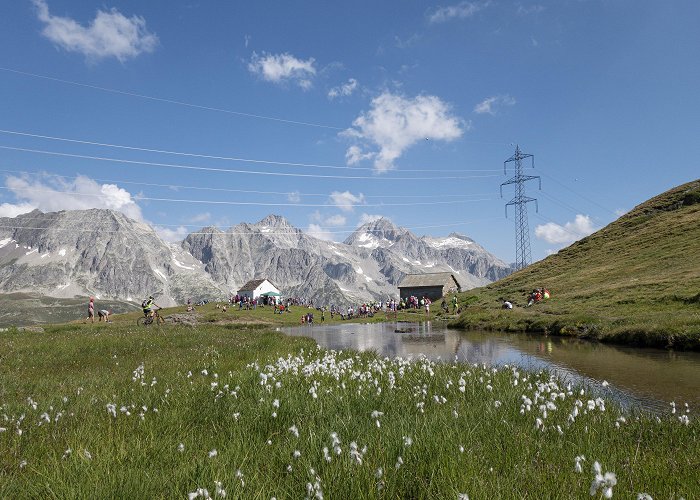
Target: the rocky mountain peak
pixel 377 233
pixel 274 220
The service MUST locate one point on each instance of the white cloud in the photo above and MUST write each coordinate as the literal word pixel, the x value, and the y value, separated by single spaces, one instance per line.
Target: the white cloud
pixel 198 218
pixel 346 201
pixel 620 211
pixel 171 235
pixel 395 123
pixel 460 11
pixel 110 34
pixel 354 155
pixel 343 90
pixel 568 233
pixel 365 218
pixel 280 68
pixel 51 194
pixel 490 104
pixel 294 197
pixel 13 210
pixel 335 220
pixel 318 232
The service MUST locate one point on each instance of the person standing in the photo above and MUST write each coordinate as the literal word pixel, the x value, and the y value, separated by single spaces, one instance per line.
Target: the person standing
pixel 91 310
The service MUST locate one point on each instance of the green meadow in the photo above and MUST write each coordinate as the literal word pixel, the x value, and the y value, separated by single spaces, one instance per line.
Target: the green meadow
pixel 233 409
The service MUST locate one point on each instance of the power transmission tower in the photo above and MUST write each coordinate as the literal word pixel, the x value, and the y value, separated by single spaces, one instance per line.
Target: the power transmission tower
pixel 523 256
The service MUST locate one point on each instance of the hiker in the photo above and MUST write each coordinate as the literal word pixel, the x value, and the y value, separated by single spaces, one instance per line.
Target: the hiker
pixel 104 314
pixel 91 310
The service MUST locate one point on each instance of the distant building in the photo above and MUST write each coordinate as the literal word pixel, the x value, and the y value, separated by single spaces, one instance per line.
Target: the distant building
pixel 432 285
pixel 255 288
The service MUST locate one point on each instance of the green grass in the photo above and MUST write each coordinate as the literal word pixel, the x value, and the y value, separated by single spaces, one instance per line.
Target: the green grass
pixel 205 383
pixel 636 281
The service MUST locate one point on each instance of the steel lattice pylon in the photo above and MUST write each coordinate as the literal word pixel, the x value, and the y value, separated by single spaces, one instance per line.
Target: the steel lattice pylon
pixel 523 256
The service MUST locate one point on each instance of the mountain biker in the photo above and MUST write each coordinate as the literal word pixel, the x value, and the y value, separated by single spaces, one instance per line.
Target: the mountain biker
pixel 149 307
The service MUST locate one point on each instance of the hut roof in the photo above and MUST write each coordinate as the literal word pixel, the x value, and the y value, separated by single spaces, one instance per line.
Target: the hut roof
pixel 253 284
pixel 429 279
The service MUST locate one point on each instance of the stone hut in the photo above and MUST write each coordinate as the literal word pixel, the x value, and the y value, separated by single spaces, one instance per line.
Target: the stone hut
pixel 431 285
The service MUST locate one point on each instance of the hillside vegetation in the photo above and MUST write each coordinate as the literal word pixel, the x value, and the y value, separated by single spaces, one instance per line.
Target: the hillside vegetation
pixel 636 281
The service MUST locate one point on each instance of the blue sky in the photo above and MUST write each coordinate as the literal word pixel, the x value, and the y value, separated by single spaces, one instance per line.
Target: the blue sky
pixel 348 111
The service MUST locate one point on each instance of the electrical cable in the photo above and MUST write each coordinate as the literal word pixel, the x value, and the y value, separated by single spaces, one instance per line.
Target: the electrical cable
pixel 248 172
pixel 245 203
pixel 228 190
pixel 170 101
pixel 226 158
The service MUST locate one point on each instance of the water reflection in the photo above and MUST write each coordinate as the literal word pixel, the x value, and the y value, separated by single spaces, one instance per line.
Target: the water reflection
pixel 646 378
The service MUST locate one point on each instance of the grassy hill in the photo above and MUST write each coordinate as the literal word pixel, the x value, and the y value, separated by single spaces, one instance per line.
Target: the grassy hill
pixel 636 281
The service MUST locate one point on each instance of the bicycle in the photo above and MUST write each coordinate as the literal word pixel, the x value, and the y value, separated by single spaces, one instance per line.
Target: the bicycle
pixel 148 320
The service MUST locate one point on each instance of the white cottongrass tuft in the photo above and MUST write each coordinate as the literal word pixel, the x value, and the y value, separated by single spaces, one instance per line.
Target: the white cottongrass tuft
pixel 213 453
pixel 577 465
pixel 603 482
pixel 294 430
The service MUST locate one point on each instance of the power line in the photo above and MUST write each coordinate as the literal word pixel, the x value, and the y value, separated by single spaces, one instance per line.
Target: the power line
pixel 247 191
pixel 223 233
pixel 170 101
pixel 549 176
pixel 224 158
pixel 249 172
pixel 244 203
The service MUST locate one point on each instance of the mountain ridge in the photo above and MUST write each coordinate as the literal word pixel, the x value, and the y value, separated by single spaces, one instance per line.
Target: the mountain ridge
pixel 104 253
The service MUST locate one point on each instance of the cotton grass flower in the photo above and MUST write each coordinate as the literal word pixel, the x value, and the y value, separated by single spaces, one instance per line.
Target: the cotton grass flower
pixel 577 465
pixel 644 496
pixel 603 482
pixel 213 453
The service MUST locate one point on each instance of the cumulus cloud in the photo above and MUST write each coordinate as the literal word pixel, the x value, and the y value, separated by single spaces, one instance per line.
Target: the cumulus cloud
pixel 13 210
pixel 365 218
pixel 490 104
pixel 462 10
pixel 281 68
pixel 336 220
pixel 395 123
pixel 346 201
pixel 318 232
pixel 51 194
pixel 568 233
pixel 355 155
pixel 199 218
pixel 171 235
pixel 343 90
pixel 110 34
